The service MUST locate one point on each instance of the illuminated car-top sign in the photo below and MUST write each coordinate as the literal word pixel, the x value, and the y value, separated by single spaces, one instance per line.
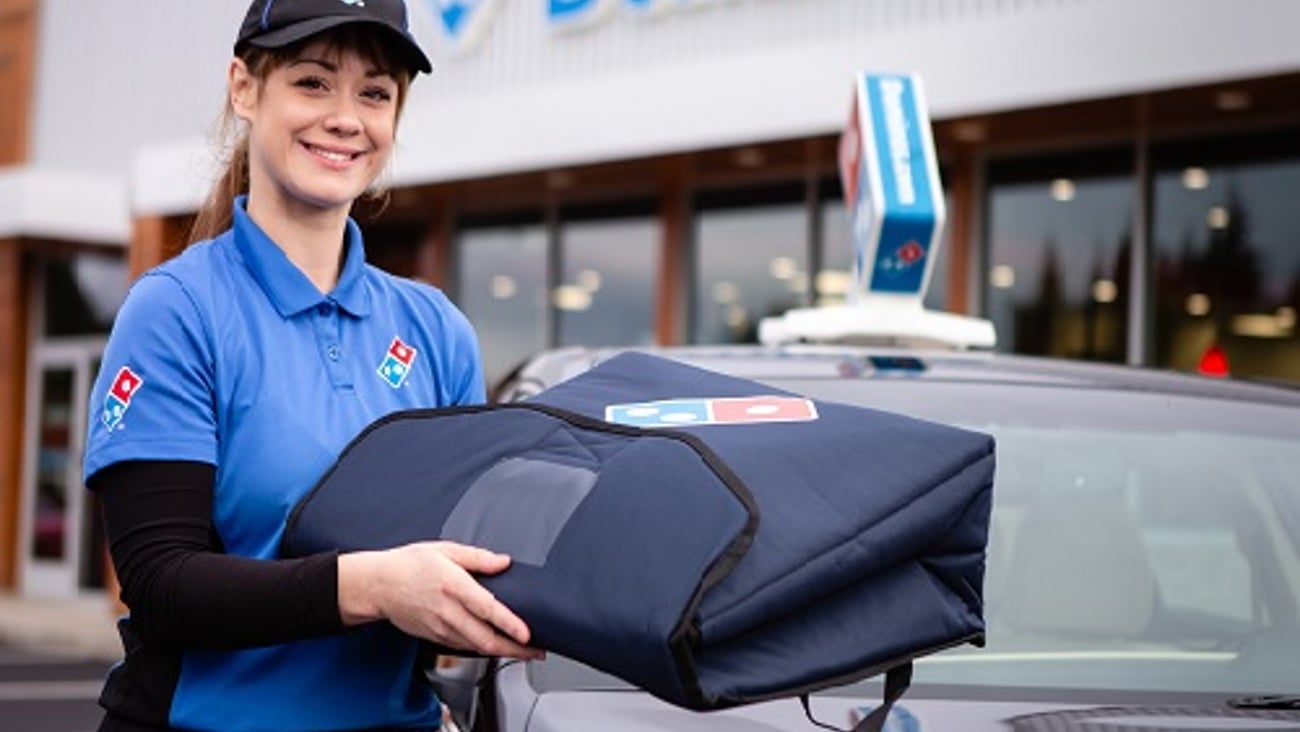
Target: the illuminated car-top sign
pixel 890 177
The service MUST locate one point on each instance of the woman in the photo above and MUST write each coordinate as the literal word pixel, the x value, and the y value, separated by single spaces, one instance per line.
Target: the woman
pixel 236 373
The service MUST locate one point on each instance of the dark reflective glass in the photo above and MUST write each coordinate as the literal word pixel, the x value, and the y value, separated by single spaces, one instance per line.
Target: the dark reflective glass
pixel 502 290
pixel 608 271
pixel 751 262
pixel 83 292
pixel 1226 234
pixel 93 566
pixel 53 461
pixel 1059 242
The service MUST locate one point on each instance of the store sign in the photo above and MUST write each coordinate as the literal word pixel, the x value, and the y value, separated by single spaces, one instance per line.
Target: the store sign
pixel 463 22
pixel 566 14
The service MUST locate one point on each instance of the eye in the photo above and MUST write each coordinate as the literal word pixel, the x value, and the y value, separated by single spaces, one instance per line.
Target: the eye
pixel 377 94
pixel 311 83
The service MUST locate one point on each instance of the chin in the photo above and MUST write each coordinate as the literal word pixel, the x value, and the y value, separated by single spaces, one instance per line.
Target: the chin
pixel 326 200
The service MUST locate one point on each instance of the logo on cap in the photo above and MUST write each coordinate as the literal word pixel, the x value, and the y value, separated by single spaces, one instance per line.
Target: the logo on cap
pixel 397 363
pixel 124 387
pixel 356 3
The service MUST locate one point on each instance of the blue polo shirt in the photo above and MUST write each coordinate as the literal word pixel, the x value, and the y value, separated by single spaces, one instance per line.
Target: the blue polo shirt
pixel 229 355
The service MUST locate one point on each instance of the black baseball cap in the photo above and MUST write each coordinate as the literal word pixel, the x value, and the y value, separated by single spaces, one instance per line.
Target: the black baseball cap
pixel 277 23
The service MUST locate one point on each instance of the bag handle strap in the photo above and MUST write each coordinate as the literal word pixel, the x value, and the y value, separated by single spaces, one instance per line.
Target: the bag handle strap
pixel 897 679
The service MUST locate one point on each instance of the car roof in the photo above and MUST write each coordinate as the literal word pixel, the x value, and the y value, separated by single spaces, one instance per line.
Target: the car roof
pixel 837 361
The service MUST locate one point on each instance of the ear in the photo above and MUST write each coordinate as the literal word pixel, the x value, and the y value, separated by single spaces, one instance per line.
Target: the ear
pixel 242 87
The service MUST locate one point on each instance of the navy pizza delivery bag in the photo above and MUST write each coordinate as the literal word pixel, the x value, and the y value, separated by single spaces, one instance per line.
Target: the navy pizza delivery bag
pixel 709 539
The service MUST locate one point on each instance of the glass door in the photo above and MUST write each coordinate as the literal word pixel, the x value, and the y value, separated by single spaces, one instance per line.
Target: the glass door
pixel 63 551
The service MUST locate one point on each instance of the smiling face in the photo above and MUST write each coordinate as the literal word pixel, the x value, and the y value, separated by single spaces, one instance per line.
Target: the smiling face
pixel 321 125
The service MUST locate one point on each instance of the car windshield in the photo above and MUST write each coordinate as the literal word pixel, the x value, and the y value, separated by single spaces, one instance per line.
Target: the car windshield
pixel 1138 540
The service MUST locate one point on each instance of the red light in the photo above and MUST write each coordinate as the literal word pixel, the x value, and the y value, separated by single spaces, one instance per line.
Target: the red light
pixel 1214 362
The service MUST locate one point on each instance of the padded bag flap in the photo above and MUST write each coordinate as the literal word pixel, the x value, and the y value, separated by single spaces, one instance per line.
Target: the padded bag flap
pixel 710 539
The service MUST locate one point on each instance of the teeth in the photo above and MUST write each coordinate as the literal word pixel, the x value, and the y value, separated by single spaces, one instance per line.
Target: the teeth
pixel 331 155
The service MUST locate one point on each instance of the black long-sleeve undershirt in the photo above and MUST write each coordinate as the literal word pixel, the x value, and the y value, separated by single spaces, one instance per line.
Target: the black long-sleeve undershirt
pixel 182 589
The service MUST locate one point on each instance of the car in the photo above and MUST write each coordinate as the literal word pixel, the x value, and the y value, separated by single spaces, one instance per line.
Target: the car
pixel 1143 565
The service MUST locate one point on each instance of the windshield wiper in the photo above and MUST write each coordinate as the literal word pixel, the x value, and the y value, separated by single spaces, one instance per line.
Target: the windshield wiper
pixel 1268 701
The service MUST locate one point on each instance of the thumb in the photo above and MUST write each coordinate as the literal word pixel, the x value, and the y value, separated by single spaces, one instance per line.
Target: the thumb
pixel 473 558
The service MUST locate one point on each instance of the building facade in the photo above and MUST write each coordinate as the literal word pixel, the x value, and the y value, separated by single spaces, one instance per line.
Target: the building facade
pixel 1119 176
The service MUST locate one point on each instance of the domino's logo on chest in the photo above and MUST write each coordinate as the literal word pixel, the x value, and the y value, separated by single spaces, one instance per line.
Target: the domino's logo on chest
pixel 396 365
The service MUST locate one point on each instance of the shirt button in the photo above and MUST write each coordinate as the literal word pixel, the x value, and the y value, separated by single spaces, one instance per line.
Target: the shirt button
pixel 333 352
pixel 324 309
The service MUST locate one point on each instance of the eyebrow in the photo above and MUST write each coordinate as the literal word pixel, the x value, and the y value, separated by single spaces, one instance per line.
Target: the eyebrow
pixel 333 68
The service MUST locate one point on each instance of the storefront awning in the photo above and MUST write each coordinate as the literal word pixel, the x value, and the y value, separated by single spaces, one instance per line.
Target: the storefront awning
pixel 78 207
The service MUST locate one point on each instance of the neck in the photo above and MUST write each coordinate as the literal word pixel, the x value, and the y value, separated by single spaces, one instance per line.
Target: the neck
pixel 311 237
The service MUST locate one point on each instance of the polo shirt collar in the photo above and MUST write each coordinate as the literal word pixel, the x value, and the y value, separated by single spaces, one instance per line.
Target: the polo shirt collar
pixel 288 288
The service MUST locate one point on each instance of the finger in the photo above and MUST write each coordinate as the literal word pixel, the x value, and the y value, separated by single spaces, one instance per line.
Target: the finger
pixel 452 638
pixel 484 638
pixel 476 599
pixel 473 558
pixel 436 629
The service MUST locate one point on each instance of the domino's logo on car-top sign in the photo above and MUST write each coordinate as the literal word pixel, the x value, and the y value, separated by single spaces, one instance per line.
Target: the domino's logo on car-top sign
pixel 891 185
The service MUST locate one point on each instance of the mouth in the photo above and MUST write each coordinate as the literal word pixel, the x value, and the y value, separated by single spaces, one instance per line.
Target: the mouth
pixel 332 156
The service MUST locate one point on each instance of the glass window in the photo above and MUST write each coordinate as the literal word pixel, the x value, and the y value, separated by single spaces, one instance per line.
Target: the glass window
pixel 1227 254
pixel 835 272
pixel 83 292
pixel 608 271
pixel 53 458
pixel 1059 233
pixel 94 546
pixel 502 290
pixel 751 261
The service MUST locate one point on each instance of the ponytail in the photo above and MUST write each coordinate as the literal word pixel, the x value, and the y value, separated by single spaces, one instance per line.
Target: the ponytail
pixel 215 216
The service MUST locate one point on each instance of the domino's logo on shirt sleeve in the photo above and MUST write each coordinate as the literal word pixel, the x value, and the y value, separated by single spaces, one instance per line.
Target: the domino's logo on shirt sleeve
pixel 120 393
pixel 397 363
pixel 695 412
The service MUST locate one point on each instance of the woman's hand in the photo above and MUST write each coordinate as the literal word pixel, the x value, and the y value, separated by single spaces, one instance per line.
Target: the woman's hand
pixel 426 590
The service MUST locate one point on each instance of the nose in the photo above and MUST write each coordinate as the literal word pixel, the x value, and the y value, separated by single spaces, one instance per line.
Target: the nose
pixel 343 119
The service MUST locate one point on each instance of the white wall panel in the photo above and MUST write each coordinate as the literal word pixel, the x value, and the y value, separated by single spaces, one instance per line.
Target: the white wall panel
pixel 520 51
pixel 138 91
pixel 114 76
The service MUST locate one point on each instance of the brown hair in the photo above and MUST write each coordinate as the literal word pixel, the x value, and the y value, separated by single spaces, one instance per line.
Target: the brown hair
pixel 214 216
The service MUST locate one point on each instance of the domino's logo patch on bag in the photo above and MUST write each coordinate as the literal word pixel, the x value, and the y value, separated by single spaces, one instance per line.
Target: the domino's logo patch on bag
pixel 124 387
pixel 397 363
pixel 729 410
